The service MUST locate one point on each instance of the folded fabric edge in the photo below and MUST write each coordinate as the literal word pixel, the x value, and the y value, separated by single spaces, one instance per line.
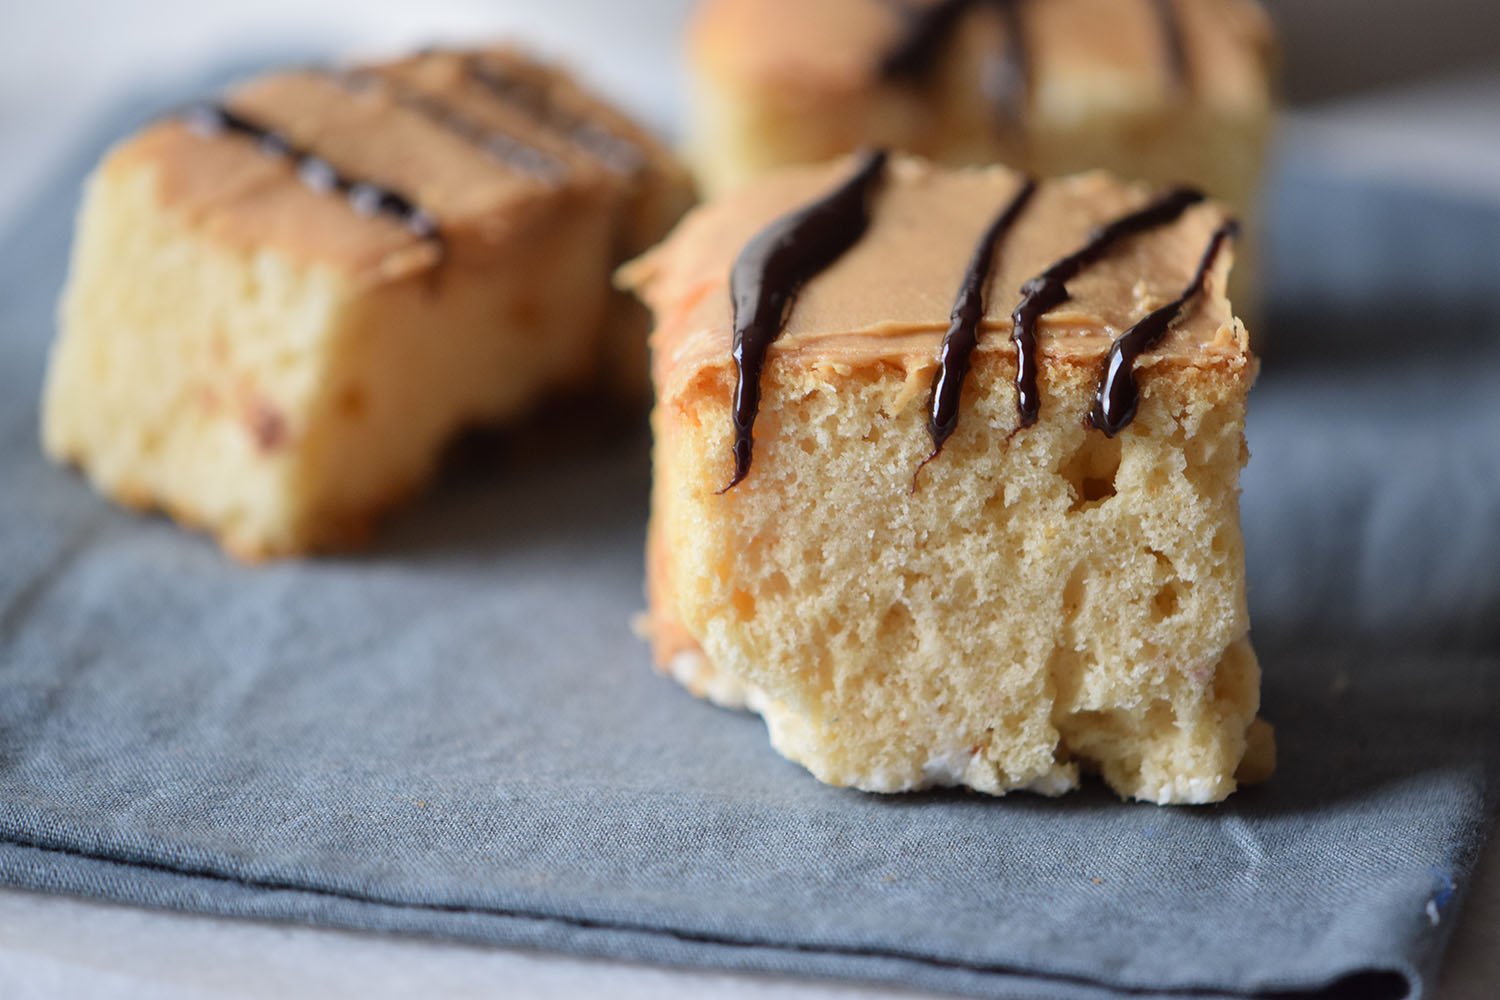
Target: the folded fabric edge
pixel 159 886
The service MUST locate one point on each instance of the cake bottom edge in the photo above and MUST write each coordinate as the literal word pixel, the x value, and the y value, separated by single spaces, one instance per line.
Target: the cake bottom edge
pixel 793 736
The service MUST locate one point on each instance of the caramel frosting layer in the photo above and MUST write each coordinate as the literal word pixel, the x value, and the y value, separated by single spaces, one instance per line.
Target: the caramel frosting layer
pixel 485 144
pixel 889 297
pixel 1111 53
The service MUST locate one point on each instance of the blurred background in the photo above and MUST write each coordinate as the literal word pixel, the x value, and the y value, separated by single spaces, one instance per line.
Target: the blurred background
pixel 1334 48
pixel 62 60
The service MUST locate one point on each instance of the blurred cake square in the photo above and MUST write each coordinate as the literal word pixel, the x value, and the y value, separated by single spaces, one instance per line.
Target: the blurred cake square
pixel 1165 91
pixel 283 305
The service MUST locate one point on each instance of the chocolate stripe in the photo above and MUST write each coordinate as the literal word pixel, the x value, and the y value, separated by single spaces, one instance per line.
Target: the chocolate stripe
pixel 509 149
pixel 617 153
pixel 928 33
pixel 365 197
pixel 928 29
pixel 1049 289
pixel 1174 43
pixel 963 334
pixel 1118 394
pixel 769 272
pixel 1007 82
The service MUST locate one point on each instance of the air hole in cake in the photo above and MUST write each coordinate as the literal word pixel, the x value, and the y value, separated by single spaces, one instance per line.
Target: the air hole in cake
pixel 1012 722
pixel 1220 544
pixel 1232 681
pixel 962 590
pixel 1166 602
pixel 1211 460
pixel 744 604
pixel 1169 597
pixel 1065 669
pixel 1091 470
pixel 898 628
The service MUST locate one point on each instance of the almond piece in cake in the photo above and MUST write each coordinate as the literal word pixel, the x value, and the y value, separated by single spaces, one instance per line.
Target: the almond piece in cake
pixel 1166 91
pixel 945 478
pixel 283 305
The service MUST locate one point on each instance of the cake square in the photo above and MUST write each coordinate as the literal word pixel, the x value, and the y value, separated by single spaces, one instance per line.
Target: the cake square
pixel 283 305
pixel 933 568
pixel 1164 91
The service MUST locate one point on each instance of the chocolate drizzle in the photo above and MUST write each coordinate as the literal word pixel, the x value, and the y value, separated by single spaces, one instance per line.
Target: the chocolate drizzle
pixel 1007 76
pixel 365 197
pixel 963 334
pixel 1118 394
pixel 617 153
pixel 501 146
pixel 769 272
pixel 1174 43
pixel 1049 290
pixel 929 29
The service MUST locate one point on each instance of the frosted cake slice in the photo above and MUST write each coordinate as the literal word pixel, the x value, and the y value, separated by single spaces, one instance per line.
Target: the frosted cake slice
pixel 1165 91
pixel 946 478
pixel 282 305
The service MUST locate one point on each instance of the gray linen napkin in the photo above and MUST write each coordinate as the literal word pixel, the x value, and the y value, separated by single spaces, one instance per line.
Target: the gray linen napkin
pixel 456 734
